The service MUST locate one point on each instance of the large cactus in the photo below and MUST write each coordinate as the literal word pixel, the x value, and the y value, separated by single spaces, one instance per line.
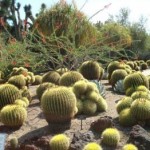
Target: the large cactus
pixel 135 79
pixel 91 70
pixel 69 78
pixel 13 115
pixel 8 94
pixel 58 104
pixel 17 80
pixel 92 146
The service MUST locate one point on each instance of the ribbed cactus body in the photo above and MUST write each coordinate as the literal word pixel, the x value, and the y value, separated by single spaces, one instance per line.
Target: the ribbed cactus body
pixel 58 104
pixel 144 66
pixel 8 94
pixel 126 118
pixel 117 75
pixel 17 80
pixel 79 106
pixel 13 143
pixel 134 80
pixel 61 70
pixel 140 94
pixel 42 87
pixel 51 76
pixel 89 107
pixel 38 80
pixel 91 70
pixel 59 142
pixel 124 103
pixel 20 103
pixel 26 93
pixel 92 146
pixel 69 78
pixel 13 115
pixel 129 147
pixel 110 137
pixel 140 108
pixel 101 104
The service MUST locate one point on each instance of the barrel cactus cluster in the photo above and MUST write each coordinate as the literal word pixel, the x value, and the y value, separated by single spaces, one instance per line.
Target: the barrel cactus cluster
pixel 89 100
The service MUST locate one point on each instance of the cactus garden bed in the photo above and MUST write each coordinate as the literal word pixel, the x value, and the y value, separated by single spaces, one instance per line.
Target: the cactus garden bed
pixel 36 131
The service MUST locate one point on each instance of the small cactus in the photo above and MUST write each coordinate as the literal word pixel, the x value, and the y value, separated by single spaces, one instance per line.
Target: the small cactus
pixel 59 142
pixel 20 103
pixel 51 76
pixel 92 146
pixel 140 94
pixel 69 78
pixel 110 137
pixel 126 118
pixel 13 115
pixel 124 103
pixel 140 108
pixel 38 80
pixel 8 94
pixel 129 147
pixel 13 142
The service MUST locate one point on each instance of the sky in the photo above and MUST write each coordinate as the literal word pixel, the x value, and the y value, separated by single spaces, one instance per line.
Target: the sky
pixel 137 8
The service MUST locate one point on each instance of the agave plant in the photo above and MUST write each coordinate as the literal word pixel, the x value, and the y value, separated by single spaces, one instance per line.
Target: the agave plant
pixel 119 87
pixel 100 87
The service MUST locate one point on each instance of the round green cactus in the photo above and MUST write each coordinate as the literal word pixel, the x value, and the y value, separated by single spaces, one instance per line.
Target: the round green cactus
pixel 8 94
pixel 69 78
pixel 38 80
pixel 89 107
pixel 101 104
pixel 135 79
pixel 140 94
pixel 92 146
pixel 17 80
pixel 117 75
pixel 142 88
pixel 144 66
pixel 13 115
pixel 58 104
pixel 59 142
pixel 80 87
pixel 140 108
pixel 13 143
pixel 124 103
pixel 25 99
pixel 20 103
pixel 91 70
pixel 26 93
pixel 110 137
pixel 51 76
pixel 93 96
pixel 148 62
pixel 79 106
pixel 61 70
pixel 126 118
pixel 129 147
pixel 130 91
pixel 42 88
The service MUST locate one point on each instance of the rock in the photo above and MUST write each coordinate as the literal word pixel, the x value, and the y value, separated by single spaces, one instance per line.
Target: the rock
pixel 140 137
pixel 101 124
pixel 81 139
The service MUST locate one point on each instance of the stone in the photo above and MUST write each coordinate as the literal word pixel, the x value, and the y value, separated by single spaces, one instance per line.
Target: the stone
pixel 140 137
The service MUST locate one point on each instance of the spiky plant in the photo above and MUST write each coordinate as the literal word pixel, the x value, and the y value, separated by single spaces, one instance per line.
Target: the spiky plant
pixel 134 80
pixel 119 87
pixel 130 91
pixel 92 146
pixel 13 115
pixel 140 94
pixel 118 74
pixel 13 142
pixel 91 70
pixel 26 93
pixel 51 76
pixel 42 88
pixel 148 63
pixel 89 107
pixel 38 80
pixel 126 118
pixel 20 103
pixel 79 106
pixel 58 105
pixel 59 142
pixel 140 109
pixel 142 88
pixel 17 80
pixel 144 66
pixel 25 100
pixel 124 103
pixel 69 78
pixel 129 147
pixel 110 137
pixel 8 94
pixel 32 77
pixel 61 71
